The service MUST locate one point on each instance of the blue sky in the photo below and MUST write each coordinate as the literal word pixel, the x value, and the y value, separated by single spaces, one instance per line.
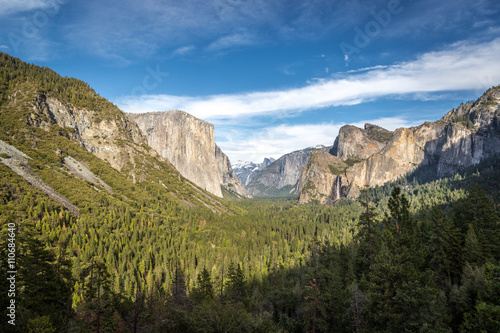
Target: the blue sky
pixel 272 76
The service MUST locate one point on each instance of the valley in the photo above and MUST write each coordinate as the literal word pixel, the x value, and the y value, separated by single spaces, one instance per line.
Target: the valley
pixel 140 223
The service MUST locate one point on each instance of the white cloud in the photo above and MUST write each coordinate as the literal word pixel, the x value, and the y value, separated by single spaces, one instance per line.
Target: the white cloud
pixel 10 7
pixel 141 28
pixel 461 66
pixel 238 39
pixel 183 50
pixel 365 69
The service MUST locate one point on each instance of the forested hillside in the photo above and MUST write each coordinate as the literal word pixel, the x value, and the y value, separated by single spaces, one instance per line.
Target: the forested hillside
pixel 157 254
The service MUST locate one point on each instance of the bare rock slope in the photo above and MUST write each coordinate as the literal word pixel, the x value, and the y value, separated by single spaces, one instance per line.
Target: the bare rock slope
pixel 17 161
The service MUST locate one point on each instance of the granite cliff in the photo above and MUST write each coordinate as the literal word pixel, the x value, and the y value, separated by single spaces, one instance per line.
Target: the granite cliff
pixel 281 177
pixel 462 138
pixel 189 144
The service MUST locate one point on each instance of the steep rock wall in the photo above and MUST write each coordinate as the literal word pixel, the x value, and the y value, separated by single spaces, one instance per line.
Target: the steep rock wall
pixel 189 144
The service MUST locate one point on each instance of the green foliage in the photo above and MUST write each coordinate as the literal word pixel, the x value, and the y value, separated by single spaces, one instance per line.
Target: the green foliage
pixel 336 169
pixel 464 120
pixel 40 325
pixel 14 71
pixel 204 289
pixel 352 160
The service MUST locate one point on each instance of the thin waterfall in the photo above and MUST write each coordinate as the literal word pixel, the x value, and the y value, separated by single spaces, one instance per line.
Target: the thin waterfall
pixel 338 188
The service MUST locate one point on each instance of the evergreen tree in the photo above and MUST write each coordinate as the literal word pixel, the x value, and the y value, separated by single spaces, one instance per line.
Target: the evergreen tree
pixel 205 288
pixel 443 248
pixel 178 288
pixel 236 285
pixel 367 237
pixel 472 252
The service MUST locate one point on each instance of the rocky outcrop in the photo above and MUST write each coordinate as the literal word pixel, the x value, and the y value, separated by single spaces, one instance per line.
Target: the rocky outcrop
pixel 323 179
pixel 189 144
pixel 462 138
pixel 282 176
pixel 473 133
pixel 81 171
pixel 111 137
pixel 356 143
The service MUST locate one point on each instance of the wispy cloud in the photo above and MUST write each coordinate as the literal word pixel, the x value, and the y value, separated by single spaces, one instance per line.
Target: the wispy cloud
pixel 183 50
pixel 138 29
pixel 419 18
pixel 461 66
pixel 366 69
pixel 237 39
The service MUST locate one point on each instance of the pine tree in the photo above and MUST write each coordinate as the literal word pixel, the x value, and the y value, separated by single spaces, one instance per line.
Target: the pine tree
pixel 444 247
pixel 204 289
pixel 236 285
pixel 178 288
pixel 472 253
pixel 367 236
pixel 398 284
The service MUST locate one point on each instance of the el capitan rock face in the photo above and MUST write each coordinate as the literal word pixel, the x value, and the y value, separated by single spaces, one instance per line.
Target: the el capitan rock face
pixel 189 144
pixel 62 138
pixel 462 138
